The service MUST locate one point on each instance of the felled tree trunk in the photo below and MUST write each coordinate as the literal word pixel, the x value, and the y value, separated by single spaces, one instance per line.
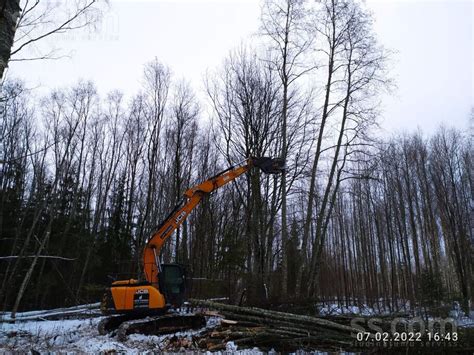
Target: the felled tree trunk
pixel 9 12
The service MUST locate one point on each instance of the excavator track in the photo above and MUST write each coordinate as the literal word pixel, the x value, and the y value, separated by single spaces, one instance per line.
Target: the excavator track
pixel 156 325
pixel 111 324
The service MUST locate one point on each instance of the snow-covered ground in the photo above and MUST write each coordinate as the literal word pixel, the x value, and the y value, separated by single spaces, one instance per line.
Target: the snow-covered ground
pixel 334 309
pixel 356 307
pixel 77 335
pixel 82 336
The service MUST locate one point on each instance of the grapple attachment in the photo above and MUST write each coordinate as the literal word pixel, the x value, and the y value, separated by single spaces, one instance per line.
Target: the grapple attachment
pixel 270 165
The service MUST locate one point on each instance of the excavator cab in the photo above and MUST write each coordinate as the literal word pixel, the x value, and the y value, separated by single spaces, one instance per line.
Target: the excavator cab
pixel 172 283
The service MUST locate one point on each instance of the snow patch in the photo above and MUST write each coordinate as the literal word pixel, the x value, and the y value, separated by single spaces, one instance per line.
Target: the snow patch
pixel 230 346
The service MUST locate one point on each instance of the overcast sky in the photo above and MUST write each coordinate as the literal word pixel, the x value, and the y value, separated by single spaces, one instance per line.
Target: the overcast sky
pixel 432 66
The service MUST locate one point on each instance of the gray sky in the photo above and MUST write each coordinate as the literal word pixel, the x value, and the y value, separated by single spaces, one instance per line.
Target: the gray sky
pixel 433 63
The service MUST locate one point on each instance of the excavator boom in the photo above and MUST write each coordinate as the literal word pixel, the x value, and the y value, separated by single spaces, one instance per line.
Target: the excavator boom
pixel 165 283
pixel 191 199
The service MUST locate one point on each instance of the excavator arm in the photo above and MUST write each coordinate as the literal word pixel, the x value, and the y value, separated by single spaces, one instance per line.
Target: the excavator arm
pixel 190 200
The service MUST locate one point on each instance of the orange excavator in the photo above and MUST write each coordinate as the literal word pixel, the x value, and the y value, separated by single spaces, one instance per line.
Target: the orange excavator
pixel 164 287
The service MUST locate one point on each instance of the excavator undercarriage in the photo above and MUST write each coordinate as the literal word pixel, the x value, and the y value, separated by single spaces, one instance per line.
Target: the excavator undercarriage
pixel 123 325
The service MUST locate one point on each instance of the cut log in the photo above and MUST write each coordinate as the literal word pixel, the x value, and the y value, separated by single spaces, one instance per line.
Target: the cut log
pixel 211 313
pixel 59 313
pixel 225 322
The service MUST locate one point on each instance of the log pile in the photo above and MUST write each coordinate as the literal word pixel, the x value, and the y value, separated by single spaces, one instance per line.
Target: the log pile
pixel 256 327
